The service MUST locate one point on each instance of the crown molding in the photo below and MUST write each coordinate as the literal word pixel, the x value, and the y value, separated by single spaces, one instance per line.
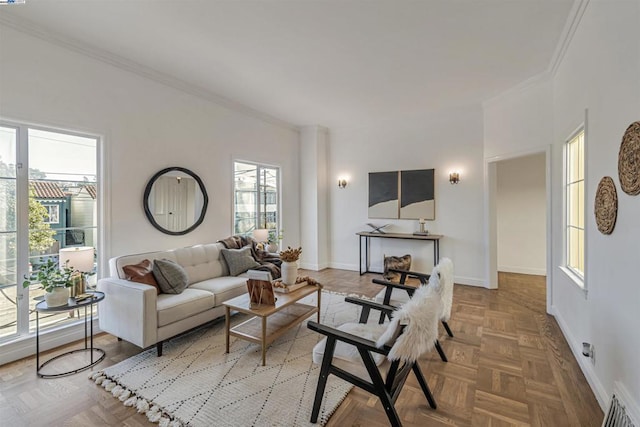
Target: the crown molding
pixel 570 27
pixel 517 89
pixel 70 43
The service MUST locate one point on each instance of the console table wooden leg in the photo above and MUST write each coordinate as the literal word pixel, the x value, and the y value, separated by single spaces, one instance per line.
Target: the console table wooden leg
pixel 227 326
pixel 264 340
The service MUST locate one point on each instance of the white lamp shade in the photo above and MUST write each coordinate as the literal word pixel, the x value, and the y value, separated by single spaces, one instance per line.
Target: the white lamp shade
pixel 261 234
pixel 79 258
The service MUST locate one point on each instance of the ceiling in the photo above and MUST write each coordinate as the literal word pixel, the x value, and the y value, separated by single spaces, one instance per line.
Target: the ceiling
pixel 336 63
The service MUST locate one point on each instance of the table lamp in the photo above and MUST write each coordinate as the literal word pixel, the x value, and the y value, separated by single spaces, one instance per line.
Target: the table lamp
pixel 261 235
pixel 79 259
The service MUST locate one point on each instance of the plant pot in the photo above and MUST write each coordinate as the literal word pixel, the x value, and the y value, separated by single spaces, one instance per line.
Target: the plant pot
pixel 57 297
pixel 272 248
pixel 289 272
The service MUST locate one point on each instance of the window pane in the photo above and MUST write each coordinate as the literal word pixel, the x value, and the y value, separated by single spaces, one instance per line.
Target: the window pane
pixel 572 204
pixel 580 160
pixel 62 203
pixel 8 264
pixel 255 198
pixel 579 206
pixel 8 278
pixel 575 203
pixel 8 138
pixel 580 265
pixel 572 172
pixel 574 249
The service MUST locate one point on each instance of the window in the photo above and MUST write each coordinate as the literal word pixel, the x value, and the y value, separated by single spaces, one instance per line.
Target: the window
pixel 574 179
pixel 53 214
pixel 48 201
pixel 256 198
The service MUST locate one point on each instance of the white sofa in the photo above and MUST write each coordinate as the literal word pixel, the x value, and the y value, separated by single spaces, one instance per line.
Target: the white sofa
pixel 135 312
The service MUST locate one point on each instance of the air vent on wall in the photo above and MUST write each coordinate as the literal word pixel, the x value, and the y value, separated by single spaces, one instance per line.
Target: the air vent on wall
pixel 621 409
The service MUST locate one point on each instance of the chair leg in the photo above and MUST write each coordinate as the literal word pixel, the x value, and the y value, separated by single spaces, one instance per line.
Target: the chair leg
pixel 380 388
pixel 446 326
pixel 324 376
pixel 424 385
pixel 389 408
pixel 159 348
pixel 441 352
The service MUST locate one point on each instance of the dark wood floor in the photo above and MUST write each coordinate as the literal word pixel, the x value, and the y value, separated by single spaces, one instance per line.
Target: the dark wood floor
pixel 508 365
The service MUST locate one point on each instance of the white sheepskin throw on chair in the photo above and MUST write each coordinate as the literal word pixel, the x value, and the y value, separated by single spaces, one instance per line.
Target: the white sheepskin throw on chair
pixel 420 315
pixel 442 281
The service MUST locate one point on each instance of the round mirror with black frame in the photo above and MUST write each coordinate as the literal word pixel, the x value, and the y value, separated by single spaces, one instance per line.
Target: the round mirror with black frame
pixel 175 201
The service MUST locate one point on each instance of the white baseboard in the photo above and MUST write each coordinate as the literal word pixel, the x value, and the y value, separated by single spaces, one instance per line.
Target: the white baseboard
pixel 51 339
pixel 341 266
pixel 470 281
pixel 522 270
pixel 584 362
pixel 313 267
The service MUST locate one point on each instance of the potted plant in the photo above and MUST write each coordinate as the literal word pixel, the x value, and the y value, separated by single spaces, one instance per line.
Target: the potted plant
pixel 289 268
pixel 54 280
pixel 272 247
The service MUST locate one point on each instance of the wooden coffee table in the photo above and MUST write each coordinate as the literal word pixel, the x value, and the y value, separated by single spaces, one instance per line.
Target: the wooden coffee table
pixel 285 314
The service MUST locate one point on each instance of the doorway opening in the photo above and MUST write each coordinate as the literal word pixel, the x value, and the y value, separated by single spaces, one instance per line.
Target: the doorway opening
pixel 519 237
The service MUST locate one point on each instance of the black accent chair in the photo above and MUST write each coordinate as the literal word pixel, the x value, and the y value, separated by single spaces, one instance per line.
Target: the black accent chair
pixel 387 389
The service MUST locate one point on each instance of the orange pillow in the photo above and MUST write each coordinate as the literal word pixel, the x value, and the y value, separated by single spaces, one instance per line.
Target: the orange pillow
pixel 141 273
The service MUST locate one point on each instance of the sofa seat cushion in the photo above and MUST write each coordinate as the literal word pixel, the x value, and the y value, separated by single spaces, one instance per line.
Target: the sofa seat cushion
pixel 223 288
pixel 175 307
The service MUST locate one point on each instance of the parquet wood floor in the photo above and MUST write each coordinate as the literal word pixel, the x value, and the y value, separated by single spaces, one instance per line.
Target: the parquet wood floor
pixel 508 365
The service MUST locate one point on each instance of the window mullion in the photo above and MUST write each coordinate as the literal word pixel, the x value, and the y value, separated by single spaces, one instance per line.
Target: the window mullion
pixel 22 225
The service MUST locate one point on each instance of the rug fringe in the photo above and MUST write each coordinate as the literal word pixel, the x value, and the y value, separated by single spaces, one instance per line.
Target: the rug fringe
pixel 142 406
pixel 154 413
pixel 117 391
pixel 125 395
pixel 131 401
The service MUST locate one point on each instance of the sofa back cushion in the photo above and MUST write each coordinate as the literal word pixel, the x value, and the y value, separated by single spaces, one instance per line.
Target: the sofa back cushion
pixel 201 262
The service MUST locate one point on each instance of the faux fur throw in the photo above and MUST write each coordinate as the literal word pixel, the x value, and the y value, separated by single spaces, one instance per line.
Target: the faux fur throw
pixel 397 263
pixel 442 281
pixel 420 315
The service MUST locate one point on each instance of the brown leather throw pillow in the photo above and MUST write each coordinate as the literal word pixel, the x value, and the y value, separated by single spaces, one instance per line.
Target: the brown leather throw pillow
pixel 141 273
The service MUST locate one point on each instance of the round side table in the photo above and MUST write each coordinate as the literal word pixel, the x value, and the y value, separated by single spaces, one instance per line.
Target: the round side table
pixel 42 307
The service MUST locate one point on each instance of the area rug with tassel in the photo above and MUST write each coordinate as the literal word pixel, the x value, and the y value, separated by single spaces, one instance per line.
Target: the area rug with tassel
pixel 195 383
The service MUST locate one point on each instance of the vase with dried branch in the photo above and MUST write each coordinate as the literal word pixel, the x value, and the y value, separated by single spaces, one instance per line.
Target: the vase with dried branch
pixel 289 266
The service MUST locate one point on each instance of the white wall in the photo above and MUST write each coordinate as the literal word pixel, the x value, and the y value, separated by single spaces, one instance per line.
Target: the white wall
pixel 444 141
pixel 600 71
pixel 521 205
pixel 146 126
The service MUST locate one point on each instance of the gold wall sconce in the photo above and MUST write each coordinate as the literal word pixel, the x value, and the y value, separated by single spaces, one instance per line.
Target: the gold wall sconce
pixel 454 177
pixel 342 183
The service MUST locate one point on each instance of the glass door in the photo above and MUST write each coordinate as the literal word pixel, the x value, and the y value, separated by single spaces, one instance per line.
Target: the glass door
pixel 8 233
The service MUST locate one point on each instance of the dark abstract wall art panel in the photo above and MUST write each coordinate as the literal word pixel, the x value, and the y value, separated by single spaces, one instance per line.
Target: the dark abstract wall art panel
pixel 383 195
pixel 417 196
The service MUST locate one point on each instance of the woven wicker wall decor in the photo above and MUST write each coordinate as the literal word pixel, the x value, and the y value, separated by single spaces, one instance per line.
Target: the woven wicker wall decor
pixel 606 205
pixel 629 160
